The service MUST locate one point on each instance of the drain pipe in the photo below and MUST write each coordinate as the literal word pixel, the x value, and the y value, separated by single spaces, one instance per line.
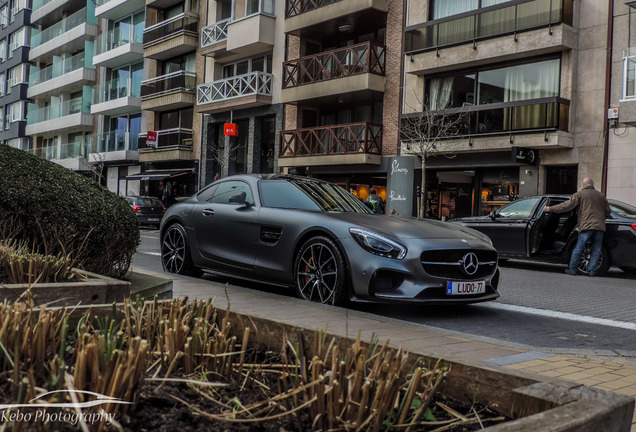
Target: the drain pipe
pixel 608 92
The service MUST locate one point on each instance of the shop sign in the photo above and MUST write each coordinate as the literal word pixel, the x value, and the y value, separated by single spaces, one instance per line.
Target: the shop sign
pixel 151 139
pixel 230 129
pixel 524 155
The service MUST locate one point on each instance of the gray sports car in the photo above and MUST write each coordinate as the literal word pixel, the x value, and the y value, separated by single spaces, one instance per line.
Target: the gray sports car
pixel 320 239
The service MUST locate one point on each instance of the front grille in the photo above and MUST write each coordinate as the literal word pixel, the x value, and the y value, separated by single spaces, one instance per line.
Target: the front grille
pixel 447 264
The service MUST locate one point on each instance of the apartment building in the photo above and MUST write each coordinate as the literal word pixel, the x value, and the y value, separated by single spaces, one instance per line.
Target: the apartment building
pixel 170 41
pixel 239 75
pixel 61 81
pixel 528 79
pixel 341 88
pixel 117 97
pixel 621 135
pixel 15 33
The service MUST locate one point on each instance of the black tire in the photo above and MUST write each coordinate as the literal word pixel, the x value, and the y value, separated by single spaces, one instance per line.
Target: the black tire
pixel 175 252
pixel 604 264
pixel 320 273
pixel 628 269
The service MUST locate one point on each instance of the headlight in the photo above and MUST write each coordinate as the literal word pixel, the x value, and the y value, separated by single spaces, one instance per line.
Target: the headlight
pixel 378 244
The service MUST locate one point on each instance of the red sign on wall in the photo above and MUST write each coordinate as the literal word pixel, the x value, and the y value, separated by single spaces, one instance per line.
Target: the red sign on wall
pixel 230 129
pixel 151 139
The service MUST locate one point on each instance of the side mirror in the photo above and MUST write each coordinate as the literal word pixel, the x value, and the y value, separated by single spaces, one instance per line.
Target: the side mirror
pixel 238 198
pixel 493 215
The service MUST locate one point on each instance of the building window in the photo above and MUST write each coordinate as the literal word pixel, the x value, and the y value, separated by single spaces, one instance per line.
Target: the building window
pixel 444 8
pixel 18 39
pixel 260 6
pixel 2 84
pixel 16 76
pixel 176 119
pixel 182 63
pixel 261 63
pixel 629 75
pixel 4 16
pixel 3 50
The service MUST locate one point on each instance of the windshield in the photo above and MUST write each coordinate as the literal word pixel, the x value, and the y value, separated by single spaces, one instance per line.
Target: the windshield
pixel 623 209
pixel 308 195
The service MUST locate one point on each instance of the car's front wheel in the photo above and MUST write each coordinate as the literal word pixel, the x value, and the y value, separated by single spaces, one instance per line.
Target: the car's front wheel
pixel 320 272
pixel 175 252
pixel 604 261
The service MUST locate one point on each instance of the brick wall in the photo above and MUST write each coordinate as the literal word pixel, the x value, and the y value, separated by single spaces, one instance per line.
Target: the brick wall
pixel 392 92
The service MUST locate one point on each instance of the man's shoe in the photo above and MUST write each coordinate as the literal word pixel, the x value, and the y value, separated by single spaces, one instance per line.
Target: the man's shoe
pixel 567 271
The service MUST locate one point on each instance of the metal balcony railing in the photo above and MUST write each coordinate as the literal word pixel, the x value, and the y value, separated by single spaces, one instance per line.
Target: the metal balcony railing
pixel 358 59
pixel 330 140
pixel 296 7
pixel 169 138
pixel 57 29
pixel 487 22
pixel 543 114
pixel 115 141
pixel 177 81
pixel 183 22
pixel 70 107
pixel 68 65
pixel 253 83
pixel 214 33
pixel 115 89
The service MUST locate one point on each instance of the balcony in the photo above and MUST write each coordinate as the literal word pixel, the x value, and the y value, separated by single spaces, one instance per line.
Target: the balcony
pixel 627 104
pixel 67 35
pixel 172 144
pixel 172 37
pixel 355 68
pixel 50 9
pixel 355 143
pixel 119 48
pixel 69 74
pixel 244 91
pixel 305 18
pixel 73 114
pixel 214 37
pixel 117 97
pixel 168 92
pixel 71 156
pixel 117 9
pixel 486 23
pixel 115 146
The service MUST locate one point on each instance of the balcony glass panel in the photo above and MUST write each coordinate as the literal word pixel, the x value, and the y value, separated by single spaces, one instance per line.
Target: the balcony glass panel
pixel 77 149
pixel 52 112
pixel 252 83
pixel 70 64
pixel 169 138
pixel 121 36
pixel 353 60
pixel 214 33
pixel 57 29
pixel 115 89
pixel 176 81
pixel 296 7
pixel 171 27
pixel 116 141
pixel 329 140
pixel 37 4
pixel 487 22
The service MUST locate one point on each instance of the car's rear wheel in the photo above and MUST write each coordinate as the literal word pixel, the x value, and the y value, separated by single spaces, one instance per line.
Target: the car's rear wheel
pixel 320 272
pixel 628 269
pixel 604 261
pixel 175 252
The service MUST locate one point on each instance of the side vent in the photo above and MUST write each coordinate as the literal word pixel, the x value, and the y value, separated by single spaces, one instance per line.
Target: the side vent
pixel 270 234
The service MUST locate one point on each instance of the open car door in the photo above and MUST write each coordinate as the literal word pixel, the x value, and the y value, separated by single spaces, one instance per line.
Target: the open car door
pixel 546 231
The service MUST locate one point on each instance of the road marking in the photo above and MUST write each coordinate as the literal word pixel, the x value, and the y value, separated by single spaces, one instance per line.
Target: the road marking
pixel 150 237
pixel 151 253
pixel 563 315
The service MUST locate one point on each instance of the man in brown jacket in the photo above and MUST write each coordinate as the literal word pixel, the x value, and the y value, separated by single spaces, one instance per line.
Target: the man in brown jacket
pixel 593 209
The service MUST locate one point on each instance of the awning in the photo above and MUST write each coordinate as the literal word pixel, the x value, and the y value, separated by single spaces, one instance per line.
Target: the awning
pixel 159 174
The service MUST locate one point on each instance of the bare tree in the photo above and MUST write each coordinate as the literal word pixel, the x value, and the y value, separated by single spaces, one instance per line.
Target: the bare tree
pixel 223 153
pixel 426 133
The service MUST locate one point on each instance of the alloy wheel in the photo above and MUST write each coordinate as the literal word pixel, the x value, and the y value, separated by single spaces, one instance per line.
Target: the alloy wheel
pixel 173 250
pixel 585 259
pixel 317 274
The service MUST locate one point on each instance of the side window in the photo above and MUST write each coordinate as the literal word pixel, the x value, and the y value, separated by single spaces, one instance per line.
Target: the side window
pixel 519 209
pixel 230 188
pixel 206 194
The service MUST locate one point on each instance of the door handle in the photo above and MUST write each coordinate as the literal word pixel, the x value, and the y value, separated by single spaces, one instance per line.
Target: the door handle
pixel 208 212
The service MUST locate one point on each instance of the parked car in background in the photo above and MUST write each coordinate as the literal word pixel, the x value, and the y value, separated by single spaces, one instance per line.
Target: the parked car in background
pixel 319 239
pixel 522 229
pixel 149 210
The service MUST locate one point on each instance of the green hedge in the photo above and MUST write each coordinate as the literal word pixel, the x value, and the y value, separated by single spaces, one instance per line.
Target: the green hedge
pixel 62 212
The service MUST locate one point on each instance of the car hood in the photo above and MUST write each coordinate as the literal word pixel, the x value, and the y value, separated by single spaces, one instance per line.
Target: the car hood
pixel 401 227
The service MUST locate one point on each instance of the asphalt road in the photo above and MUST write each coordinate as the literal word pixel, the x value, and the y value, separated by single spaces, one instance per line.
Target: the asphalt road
pixel 540 307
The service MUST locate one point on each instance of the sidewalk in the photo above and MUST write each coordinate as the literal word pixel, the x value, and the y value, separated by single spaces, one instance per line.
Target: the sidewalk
pixel 412 337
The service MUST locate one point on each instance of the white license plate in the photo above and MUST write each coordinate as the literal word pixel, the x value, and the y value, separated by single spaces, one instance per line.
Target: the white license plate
pixel 465 288
pixel 153 219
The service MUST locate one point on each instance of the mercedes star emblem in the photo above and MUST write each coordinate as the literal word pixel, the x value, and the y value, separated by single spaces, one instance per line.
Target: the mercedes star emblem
pixel 470 264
